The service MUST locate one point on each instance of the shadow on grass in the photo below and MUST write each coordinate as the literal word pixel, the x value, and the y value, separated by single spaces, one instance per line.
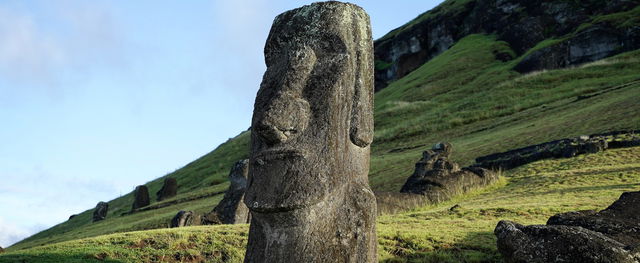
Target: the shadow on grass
pixel 618 187
pixel 474 247
pixel 52 257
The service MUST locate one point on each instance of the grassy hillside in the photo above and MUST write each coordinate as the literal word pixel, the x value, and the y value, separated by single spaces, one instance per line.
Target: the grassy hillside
pixel 465 96
pixel 529 194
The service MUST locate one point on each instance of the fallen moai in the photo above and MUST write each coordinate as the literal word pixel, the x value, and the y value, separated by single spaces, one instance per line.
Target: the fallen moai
pixel 140 197
pixel 232 210
pixel 312 126
pixel 438 179
pixel 186 218
pixel 564 148
pixel 169 189
pixel 100 212
pixel 611 235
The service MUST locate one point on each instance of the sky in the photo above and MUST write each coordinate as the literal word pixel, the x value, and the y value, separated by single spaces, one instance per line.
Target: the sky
pixel 99 96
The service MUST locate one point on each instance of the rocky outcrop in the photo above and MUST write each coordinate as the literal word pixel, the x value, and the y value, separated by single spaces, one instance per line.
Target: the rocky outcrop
pixel 438 179
pixel 186 218
pixel 312 127
pixel 521 23
pixel 140 197
pixel 611 235
pixel 564 148
pixel 72 216
pixel 594 43
pixel 169 189
pixel 232 210
pixel 100 212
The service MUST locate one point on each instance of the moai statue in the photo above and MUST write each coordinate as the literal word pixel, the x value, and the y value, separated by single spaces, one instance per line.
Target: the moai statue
pixel 169 189
pixel 232 210
pixel 100 212
pixel 141 197
pixel 312 125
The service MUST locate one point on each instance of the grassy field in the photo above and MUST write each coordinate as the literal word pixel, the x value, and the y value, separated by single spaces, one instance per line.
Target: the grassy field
pixel 529 195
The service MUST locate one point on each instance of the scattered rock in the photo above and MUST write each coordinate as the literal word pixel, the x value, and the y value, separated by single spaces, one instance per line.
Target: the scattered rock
pixel 100 212
pixel 611 235
pixel 232 210
pixel 454 208
pixel 312 126
pixel 168 190
pixel 141 197
pixel 439 179
pixel 186 218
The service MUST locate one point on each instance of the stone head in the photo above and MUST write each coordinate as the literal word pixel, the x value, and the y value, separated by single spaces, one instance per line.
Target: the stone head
pixel 312 123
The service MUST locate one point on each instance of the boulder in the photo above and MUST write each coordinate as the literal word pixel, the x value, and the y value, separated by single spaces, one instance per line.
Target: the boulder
pixel 140 197
pixel 232 210
pixel 312 127
pixel 438 179
pixel 611 235
pixel 186 218
pixel 168 190
pixel 100 212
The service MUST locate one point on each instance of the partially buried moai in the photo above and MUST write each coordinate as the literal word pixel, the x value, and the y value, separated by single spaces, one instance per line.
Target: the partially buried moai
pixel 308 190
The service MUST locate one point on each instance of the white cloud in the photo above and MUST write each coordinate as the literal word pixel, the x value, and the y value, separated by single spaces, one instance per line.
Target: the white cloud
pixel 37 47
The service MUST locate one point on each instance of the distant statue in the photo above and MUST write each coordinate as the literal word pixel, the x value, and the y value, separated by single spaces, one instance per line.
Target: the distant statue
pixel 140 197
pixel 312 125
pixel 168 190
pixel 100 212
pixel 232 210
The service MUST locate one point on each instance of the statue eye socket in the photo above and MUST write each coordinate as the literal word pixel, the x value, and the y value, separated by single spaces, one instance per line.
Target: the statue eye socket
pixel 332 44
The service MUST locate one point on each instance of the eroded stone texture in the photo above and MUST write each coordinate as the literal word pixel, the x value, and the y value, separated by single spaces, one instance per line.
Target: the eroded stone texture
pixel 611 235
pixel 141 197
pixel 438 179
pixel 100 212
pixel 232 210
pixel 312 125
pixel 168 190
pixel 186 218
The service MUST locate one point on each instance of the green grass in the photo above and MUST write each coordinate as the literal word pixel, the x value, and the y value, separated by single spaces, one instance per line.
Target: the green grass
pixel 464 96
pixel 529 194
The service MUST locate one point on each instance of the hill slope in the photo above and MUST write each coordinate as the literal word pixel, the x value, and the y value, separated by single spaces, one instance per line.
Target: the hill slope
pixel 529 195
pixel 466 95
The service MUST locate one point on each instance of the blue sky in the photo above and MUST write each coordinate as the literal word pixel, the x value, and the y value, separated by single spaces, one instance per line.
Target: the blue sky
pixel 98 96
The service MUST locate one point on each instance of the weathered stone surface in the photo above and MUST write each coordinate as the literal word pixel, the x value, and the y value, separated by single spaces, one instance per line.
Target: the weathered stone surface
pixel 232 210
pixel 140 197
pixel 100 212
pixel 438 179
pixel 564 148
pixel 186 218
pixel 168 190
pixel 611 235
pixel 539 243
pixel 312 126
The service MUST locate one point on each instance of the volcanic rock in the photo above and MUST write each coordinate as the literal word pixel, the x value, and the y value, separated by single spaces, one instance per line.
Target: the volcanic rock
pixel 312 126
pixel 611 235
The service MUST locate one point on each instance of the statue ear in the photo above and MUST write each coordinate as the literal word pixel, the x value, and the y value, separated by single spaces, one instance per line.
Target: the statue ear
pixel 361 130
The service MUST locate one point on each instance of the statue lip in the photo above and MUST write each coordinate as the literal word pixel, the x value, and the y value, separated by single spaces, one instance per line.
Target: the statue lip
pixel 278 154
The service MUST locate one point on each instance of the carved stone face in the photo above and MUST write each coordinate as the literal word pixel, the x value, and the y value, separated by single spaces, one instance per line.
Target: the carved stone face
pixel 312 121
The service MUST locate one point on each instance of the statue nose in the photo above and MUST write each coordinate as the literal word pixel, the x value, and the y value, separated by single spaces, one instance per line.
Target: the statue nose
pixel 285 118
